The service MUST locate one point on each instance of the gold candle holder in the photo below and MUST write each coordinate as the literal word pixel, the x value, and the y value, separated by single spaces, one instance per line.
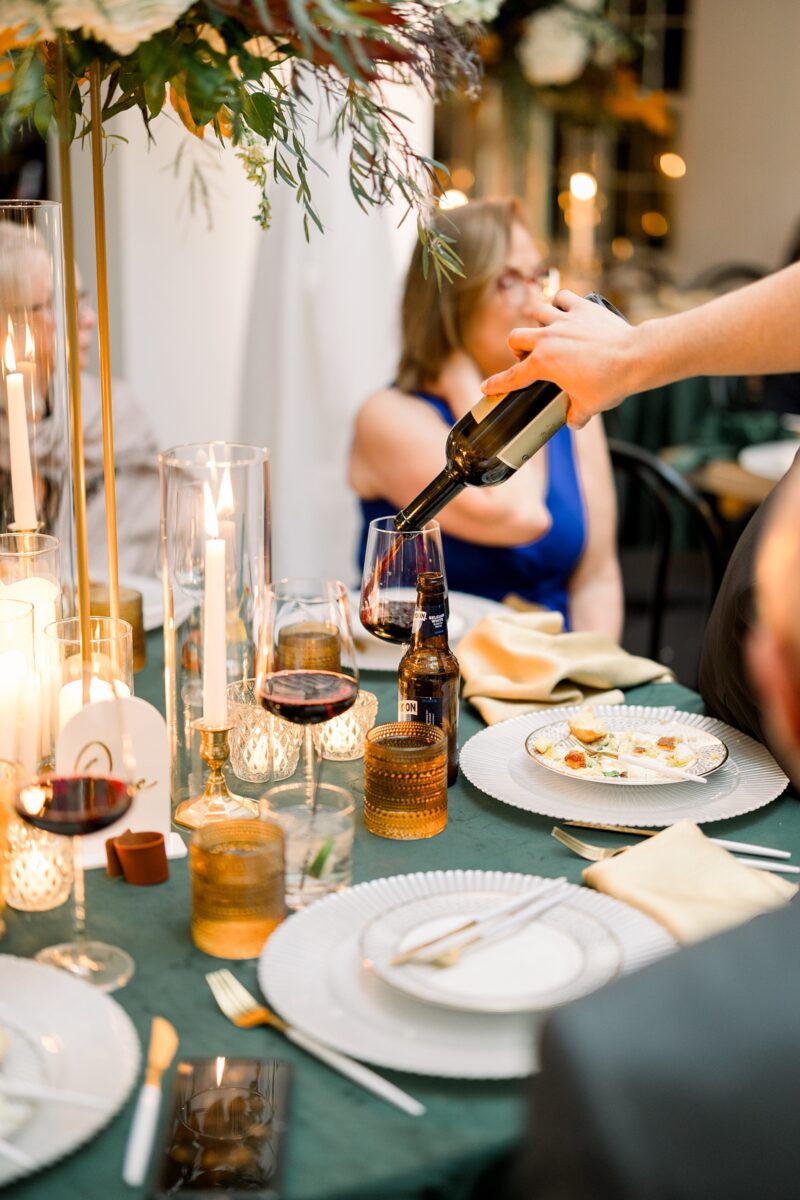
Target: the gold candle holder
pixel 217 802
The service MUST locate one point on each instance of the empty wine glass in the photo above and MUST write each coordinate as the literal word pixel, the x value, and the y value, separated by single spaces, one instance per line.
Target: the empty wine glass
pixel 306 666
pixel 393 563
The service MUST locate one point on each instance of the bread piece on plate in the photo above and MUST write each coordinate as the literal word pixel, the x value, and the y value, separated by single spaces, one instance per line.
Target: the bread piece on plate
pixel 586 726
pixel 576 759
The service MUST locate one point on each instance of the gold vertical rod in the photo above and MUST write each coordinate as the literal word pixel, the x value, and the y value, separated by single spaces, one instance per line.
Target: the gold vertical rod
pixel 103 336
pixel 76 418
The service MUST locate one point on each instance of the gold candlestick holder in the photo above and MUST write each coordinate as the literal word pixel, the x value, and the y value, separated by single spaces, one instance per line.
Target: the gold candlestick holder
pixel 217 802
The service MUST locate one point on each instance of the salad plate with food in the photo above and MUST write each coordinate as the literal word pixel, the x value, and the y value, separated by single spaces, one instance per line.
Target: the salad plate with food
pixel 626 749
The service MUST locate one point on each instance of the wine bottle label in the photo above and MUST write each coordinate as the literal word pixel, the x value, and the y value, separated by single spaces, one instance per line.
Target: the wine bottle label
pixel 426 709
pixel 536 433
pixel 481 410
pixel 428 622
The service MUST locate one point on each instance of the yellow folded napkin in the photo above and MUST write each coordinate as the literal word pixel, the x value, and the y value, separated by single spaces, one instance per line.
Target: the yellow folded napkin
pixel 687 883
pixel 519 662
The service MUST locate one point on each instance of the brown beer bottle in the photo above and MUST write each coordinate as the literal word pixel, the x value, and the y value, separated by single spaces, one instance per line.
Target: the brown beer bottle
pixel 428 675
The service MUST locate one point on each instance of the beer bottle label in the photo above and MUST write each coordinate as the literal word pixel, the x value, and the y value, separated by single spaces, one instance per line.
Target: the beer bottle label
pixel 428 710
pixel 429 622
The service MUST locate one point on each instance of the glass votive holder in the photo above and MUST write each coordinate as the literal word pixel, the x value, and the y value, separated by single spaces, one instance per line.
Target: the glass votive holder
pixel 343 737
pixel 131 609
pixel 309 646
pixel 263 747
pixel 237 886
pixel 319 840
pixel 38 868
pixel 405 780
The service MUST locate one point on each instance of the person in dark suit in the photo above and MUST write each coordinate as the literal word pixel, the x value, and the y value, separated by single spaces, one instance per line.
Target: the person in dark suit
pixel 681 1082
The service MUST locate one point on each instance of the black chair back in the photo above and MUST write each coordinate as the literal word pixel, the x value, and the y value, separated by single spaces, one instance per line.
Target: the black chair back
pixel 667 489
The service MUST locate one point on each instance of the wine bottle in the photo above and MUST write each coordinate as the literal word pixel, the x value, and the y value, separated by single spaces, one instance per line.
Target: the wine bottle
pixel 428 675
pixel 491 442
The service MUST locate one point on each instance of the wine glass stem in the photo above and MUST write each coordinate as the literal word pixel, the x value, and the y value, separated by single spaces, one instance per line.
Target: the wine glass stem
pixel 78 897
pixel 311 771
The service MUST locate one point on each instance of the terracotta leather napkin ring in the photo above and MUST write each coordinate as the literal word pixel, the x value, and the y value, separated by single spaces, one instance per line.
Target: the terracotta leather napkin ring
pixel 140 857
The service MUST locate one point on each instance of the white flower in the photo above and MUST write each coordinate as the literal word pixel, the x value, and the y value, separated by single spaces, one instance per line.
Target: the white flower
pixel 588 6
pixel 552 49
pixel 121 24
pixel 465 12
pixel 26 12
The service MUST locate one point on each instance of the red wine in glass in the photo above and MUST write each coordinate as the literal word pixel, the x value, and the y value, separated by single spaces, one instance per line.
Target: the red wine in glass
pixel 389 620
pixel 73 805
pixel 306 697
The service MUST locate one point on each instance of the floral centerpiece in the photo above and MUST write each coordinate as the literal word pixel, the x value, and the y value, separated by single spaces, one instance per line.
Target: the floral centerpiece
pixel 241 73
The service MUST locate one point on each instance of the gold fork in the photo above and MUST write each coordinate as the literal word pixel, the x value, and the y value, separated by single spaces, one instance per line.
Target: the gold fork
pixel 585 849
pixel 245 1011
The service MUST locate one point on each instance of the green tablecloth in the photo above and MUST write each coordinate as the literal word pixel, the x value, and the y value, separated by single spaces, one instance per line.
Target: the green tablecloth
pixel 343 1143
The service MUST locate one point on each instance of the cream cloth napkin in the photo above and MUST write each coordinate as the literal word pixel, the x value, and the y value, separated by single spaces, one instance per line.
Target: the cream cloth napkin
pixel 687 883
pixel 519 662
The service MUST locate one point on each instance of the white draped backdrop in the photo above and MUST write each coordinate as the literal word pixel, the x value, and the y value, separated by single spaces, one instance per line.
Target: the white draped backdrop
pixel 322 335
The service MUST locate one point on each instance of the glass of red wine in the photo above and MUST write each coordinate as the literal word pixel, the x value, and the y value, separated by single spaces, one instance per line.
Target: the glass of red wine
pixel 75 805
pixel 306 668
pixel 393 563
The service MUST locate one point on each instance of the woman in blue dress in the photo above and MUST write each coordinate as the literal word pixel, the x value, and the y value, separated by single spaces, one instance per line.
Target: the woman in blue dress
pixel 548 534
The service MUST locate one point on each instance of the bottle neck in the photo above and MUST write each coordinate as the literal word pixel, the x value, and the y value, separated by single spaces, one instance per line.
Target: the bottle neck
pixel 429 502
pixel 429 627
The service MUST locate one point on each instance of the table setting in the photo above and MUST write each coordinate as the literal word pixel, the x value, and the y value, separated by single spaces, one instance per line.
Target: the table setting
pixel 413 978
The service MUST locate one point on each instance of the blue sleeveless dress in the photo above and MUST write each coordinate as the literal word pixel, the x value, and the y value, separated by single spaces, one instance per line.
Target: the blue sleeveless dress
pixel 538 571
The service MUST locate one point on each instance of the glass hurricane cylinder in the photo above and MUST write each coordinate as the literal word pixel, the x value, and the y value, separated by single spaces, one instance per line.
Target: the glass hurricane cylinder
pixel 215 554
pixel 35 459
pixel 111 666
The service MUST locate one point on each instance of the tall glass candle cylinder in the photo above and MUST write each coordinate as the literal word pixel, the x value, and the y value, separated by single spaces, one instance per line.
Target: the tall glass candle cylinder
pixel 35 462
pixel 215 553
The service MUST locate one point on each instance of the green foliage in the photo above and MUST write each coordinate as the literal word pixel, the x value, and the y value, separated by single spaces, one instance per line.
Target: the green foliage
pixel 240 73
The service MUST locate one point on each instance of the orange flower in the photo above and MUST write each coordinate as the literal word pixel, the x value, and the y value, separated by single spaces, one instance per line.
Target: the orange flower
pixel 179 102
pixel 628 102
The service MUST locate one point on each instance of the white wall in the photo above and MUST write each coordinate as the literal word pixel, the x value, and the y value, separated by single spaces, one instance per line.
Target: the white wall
pixel 740 198
pixel 180 292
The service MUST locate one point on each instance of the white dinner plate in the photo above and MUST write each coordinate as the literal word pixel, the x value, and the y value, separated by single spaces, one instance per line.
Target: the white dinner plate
pixel 557 956
pixel 708 751
pixel 374 655
pixel 310 971
pixel 495 760
pixel 65 1033
pixel 770 460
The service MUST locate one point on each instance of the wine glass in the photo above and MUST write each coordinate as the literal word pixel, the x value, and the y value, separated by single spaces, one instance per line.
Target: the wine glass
pixel 306 668
pixel 79 803
pixel 393 562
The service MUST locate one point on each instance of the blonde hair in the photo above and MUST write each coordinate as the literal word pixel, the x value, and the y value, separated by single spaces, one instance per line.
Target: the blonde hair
pixel 433 320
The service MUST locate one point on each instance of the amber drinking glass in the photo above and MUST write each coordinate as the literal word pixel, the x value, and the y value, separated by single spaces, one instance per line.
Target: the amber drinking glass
pixel 237 886
pixel 405 780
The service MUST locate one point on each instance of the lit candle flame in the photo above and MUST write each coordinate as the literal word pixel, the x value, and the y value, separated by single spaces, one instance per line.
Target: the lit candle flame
pixel 33 800
pixel 583 186
pixel 28 341
pixel 220 1069
pixel 225 504
pixel 212 525
pixel 11 362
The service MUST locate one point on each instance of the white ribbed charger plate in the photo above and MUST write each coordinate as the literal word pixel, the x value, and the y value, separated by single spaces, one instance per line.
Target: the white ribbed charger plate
pixel 310 971
pixel 495 760
pixel 76 1037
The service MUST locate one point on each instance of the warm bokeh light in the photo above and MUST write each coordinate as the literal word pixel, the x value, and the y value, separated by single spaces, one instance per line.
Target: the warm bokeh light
pixel 563 200
pixel 220 1070
pixel 225 505
pixel 583 186
pixel 622 248
pixel 462 178
pixel 211 522
pixel 453 198
pixel 655 224
pixel 672 165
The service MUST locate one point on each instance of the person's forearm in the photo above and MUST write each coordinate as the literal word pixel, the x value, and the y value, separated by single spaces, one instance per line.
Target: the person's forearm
pixel 596 605
pixel 752 331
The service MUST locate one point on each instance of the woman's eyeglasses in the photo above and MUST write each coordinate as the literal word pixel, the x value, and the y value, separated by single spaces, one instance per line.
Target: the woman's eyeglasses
pixel 515 285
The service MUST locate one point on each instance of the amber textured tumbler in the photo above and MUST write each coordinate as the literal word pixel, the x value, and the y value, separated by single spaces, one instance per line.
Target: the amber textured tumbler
pixel 405 780
pixel 237 870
